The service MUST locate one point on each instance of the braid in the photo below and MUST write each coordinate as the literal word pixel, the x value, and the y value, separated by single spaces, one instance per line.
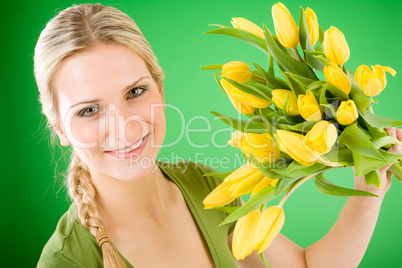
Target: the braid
pixel 81 190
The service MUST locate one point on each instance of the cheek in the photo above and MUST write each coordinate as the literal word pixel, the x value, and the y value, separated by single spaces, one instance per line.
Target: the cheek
pixel 84 134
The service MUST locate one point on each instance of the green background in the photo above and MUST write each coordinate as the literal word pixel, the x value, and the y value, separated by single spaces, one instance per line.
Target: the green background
pixel 31 198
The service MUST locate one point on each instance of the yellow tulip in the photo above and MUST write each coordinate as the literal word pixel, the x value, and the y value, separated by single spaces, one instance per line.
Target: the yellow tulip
pixel 243 102
pixel 312 26
pixel 238 183
pixel 245 24
pixel 334 75
pixel 262 146
pixel 262 184
pixel 244 233
pixel 321 137
pixel 308 107
pixel 269 225
pixel 237 71
pixel 285 26
pixel 293 144
pixel 279 97
pixel 336 48
pixel 347 112
pixel 220 196
pixel 372 82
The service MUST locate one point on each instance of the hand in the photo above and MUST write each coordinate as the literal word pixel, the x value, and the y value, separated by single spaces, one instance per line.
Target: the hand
pixel 386 176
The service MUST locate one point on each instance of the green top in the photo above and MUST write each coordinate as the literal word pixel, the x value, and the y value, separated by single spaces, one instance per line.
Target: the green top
pixel 71 245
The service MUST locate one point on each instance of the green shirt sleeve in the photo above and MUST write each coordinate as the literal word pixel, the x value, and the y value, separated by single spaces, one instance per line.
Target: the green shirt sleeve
pixel 213 182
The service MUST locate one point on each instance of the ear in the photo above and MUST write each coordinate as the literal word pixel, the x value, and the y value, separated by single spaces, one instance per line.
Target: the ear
pixel 62 136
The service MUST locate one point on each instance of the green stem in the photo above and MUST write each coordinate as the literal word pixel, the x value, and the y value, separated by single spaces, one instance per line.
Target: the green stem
pixel 300 182
pixel 297 54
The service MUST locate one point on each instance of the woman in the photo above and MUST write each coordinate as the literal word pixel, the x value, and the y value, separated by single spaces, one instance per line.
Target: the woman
pixel 101 90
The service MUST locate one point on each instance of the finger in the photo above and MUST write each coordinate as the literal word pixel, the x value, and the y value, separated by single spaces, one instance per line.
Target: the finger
pixel 391 131
pixel 399 133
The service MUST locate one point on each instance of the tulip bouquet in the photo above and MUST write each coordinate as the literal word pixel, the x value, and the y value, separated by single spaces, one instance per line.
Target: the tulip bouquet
pixel 298 126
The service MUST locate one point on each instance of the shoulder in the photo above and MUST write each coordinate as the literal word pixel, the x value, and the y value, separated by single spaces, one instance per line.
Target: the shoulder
pixel 71 245
pixel 193 171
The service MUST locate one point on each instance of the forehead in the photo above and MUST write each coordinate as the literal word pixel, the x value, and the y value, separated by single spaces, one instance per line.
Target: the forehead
pixel 91 73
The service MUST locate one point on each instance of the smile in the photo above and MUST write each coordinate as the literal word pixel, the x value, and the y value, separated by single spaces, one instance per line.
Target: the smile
pixel 131 148
pixel 130 152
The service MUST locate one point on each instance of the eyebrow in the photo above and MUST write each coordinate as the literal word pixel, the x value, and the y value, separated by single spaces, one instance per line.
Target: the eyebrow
pixel 123 90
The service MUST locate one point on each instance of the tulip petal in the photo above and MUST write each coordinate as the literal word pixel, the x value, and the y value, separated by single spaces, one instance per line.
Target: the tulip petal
pixel 292 144
pixel 373 87
pixel 248 26
pixel 242 173
pixel 269 225
pixel 220 196
pixel 243 234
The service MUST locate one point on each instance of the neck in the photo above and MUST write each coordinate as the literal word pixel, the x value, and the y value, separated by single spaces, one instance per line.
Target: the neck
pixel 123 203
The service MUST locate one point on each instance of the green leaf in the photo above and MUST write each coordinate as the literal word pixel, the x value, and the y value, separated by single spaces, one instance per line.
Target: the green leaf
pixel 255 202
pixel 227 209
pixel 272 81
pixel 295 169
pixel 329 110
pixel 287 62
pixel 360 99
pixel 381 122
pixel 219 174
pixel 357 141
pixel 373 177
pixel 297 87
pixel 284 184
pixel 246 126
pixel 364 164
pixel 266 168
pixel 243 35
pixel 220 85
pixel 212 67
pixel 341 156
pixel 303 127
pixel 337 92
pixel 305 43
pixel 383 141
pixel 249 89
pixel 396 169
pixel 300 79
pixel 326 187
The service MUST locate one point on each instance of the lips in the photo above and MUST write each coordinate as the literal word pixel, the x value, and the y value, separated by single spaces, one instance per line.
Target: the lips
pixel 128 145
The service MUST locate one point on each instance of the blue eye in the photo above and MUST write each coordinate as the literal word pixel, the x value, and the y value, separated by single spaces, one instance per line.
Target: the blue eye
pixel 88 112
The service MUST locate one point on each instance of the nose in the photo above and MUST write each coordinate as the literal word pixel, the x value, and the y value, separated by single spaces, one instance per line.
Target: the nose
pixel 124 126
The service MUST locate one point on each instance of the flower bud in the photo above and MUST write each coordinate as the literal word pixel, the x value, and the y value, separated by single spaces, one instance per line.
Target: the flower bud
pixel 308 107
pixel 312 26
pixel 245 24
pixel 269 225
pixel 285 26
pixel 279 97
pixel 243 102
pixel 244 233
pixel 336 48
pixel 292 144
pixel 321 137
pixel 262 146
pixel 262 184
pixel 372 82
pixel 238 183
pixel 237 71
pixel 347 112
pixel 334 75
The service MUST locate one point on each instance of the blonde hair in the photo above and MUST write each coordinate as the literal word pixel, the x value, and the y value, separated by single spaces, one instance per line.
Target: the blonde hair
pixel 76 29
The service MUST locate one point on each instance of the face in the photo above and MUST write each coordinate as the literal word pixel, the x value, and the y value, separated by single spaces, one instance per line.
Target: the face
pixel 111 111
